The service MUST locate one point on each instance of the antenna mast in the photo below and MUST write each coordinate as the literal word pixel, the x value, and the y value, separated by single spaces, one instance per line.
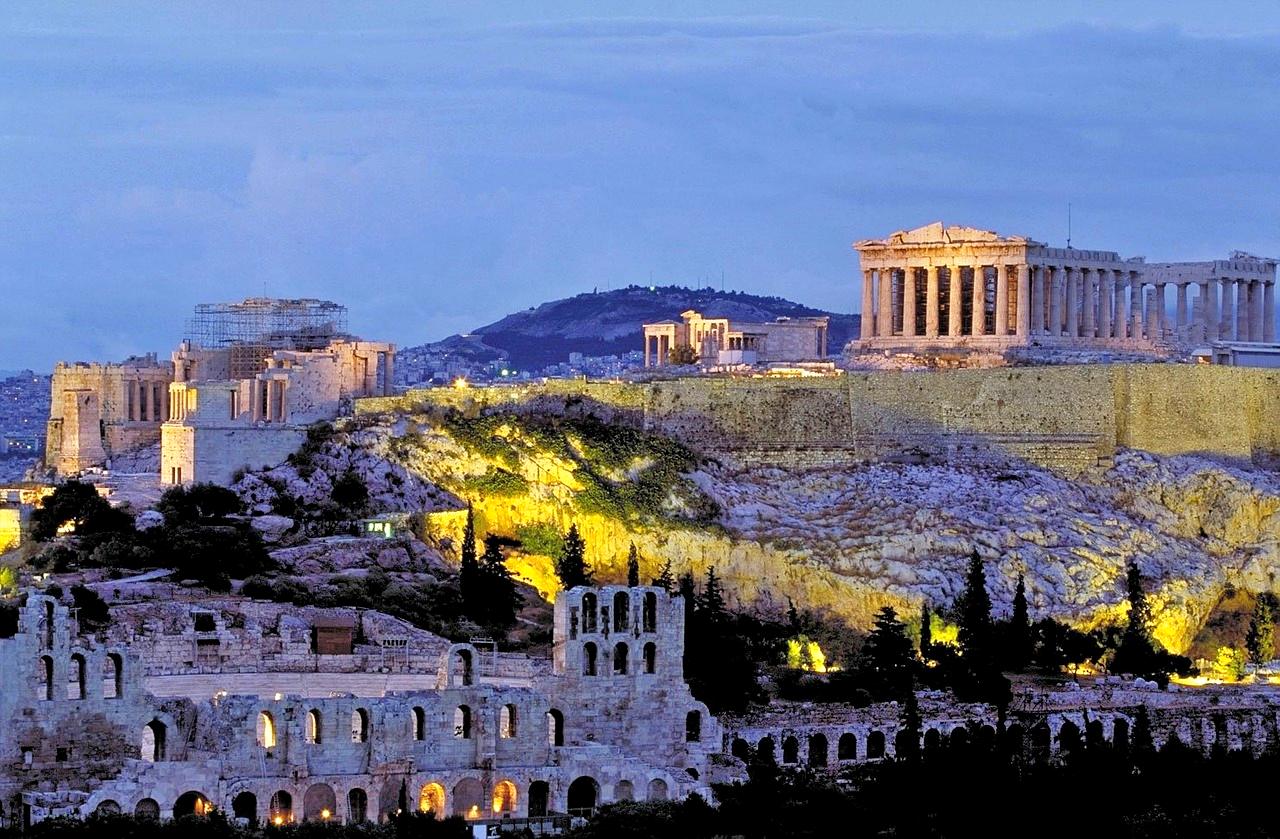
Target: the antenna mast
pixel 1068 224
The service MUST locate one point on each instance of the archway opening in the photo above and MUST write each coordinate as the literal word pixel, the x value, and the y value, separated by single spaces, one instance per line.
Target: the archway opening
pixel 539 799
pixel 468 798
pixel 431 799
pixel 280 810
pixel 319 803
pixel 191 804
pixel 584 793
pixel 245 806
pixel 504 797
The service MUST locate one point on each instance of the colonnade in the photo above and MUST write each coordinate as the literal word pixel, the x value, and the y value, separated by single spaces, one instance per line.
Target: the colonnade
pixel 147 401
pixel 269 400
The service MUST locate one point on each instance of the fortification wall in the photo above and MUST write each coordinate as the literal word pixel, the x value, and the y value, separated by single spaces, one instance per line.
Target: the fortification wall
pixel 1066 418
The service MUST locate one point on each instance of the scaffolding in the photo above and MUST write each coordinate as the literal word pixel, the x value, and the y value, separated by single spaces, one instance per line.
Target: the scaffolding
pixel 253 328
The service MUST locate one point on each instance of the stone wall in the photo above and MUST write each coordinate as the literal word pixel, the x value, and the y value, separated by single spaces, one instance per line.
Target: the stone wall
pixel 215 452
pixel 97 410
pixel 1067 417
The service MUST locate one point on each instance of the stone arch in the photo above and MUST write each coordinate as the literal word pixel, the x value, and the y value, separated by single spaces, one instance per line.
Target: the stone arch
pixel 624 791
pixel 108 807
pixel 905 742
pixel 431 798
pixel 191 803
pixel 315 727
pixel 359 726
pixel 985 739
pixel 357 806
pixel 280 808
pixel 504 797
pixel 621 611
pixel 958 739
pixel 44 689
pixel 113 676
pixel 790 749
pixel 462 722
pixel 539 799
pixel 657 790
pixel 245 806
pixel 1120 735
pixel 584 795
pixel 76 677
pixel 650 657
pixel 1069 738
pixel 875 745
pixel 1041 740
pixel 932 740
pixel 48 624
pixel 153 741
pixel 847 746
pixel 555 727
pixel 508 721
pixel 766 749
pixel 589 656
pixel 266 730
pixel 693 727
pixel 462 665
pixel 468 798
pixel 389 797
pixel 818 750
pixel 319 803
pixel 590 612
pixel 620 655
pixel 1014 740
pixel 418 723
pixel 147 808
pixel 741 749
pixel 649 612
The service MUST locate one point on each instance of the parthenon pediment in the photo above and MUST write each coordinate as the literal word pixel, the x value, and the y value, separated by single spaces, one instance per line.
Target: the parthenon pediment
pixel 939 234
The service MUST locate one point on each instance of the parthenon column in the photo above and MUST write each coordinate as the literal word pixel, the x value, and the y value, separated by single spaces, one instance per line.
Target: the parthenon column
pixel 1088 323
pixel 867 327
pixel 1037 299
pixel 953 300
pixel 1106 294
pixel 1227 314
pixel 1180 312
pixel 1255 310
pixel 1000 323
pixel 1135 305
pixel 1022 323
pixel 884 320
pixel 909 302
pixel 1119 317
pixel 1242 309
pixel 1209 309
pixel 1073 300
pixel 1161 315
pixel 1269 312
pixel 978 320
pixel 931 303
pixel 1056 293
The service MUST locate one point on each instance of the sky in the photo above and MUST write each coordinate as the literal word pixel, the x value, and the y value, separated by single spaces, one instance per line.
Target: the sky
pixel 436 166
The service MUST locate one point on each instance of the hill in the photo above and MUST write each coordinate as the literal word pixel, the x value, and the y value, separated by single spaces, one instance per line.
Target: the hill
pixel 608 323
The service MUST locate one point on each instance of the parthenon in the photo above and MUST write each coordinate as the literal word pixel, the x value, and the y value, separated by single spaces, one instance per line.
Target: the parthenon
pixel 961 286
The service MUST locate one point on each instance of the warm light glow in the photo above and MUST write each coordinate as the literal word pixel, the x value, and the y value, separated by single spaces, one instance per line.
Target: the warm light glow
pixel 460 383
pixel 804 654
pixel 504 797
pixel 278 820
pixel 474 812
pixel 325 814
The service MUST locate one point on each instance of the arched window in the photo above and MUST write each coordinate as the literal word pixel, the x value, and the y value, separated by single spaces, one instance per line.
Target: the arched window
pixel 468 798
pixel 245 806
pixel 589 612
pixel 555 728
pixel 875 745
pixel 621 611
pixel 280 810
pixel 76 680
pixel 315 727
pixel 649 612
pixel 539 799
pixel 45 688
pixel 693 727
pixel 431 798
pixel 584 793
pixel 48 624
pixel 112 676
pixel 504 797
pixel 650 657
pixel 462 722
pixel 790 750
pixel 741 749
pixel 1069 738
pixel 620 659
pixel 153 746
pixel 1120 735
pixel 359 726
pixel 192 804
pixel 589 659
pixel 657 790
pixel 357 806
pixel 847 747
pixel 419 724
pixel 508 717
pixel 817 750
pixel 319 803
pixel 147 808
pixel 464 667
pixel 108 806
pixel 266 730
pixel 624 791
pixel 765 749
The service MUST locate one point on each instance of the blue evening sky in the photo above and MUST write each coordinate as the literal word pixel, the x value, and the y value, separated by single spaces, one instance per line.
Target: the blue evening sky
pixel 435 166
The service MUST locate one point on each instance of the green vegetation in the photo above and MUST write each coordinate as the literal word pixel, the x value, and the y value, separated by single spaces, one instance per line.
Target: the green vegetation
pixel 78 506
pixel 488 592
pixel 495 483
pixel 571 567
pixel 1259 641
pixel 541 539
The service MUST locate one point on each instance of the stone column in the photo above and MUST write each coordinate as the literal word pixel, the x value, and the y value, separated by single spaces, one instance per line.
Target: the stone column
pixel 1056 293
pixel 1000 325
pixel 1227 313
pixel 1180 312
pixel 1161 315
pixel 1255 310
pixel 131 410
pixel 884 320
pixel 1119 317
pixel 1135 304
pixel 909 302
pixel 1106 294
pixel 1037 299
pixel 867 328
pixel 1269 312
pixel 1023 321
pixel 977 324
pixel 1209 309
pixel 1088 300
pixel 932 310
pixel 1242 309
pixel 953 301
pixel 389 374
pixel 164 403
pixel 1070 277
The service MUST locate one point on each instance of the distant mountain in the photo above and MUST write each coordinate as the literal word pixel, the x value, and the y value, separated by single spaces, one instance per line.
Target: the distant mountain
pixel 608 323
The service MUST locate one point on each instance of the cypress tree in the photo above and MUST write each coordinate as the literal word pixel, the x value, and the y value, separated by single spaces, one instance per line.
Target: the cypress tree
pixel 908 739
pixel 712 600
pixel 633 567
pixel 469 582
pixel 572 567
pixel 1260 639
pixel 926 630
pixel 664 580
pixel 1020 628
pixel 1139 609
pixel 500 600
pixel 975 614
pixel 887 655
pixel 1142 744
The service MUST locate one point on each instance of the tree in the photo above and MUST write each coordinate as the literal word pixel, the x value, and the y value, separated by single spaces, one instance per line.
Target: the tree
pixel 664 580
pixel 975 613
pixel 79 505
pixel 1143 745
pixel 92 610
pixel 469 583
pixel 499 599
pixel 682 354
pixel 908 740
pixel 1139 609
pixel 926 631
pixel 1138 653
pixel 712 600
pixel 200 503
pixel 887 657
pixel 350 492
pixel 572 566
pixel 1018 650
pixel 633 567
pixel 1260 638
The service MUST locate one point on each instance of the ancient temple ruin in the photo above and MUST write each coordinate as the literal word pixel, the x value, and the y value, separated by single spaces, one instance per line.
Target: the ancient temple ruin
pixel 721 342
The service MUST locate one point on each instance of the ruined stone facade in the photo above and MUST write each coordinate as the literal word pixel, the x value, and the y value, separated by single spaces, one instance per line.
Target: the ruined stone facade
pixel 98 410
pixel 721 342
pixel 171 730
